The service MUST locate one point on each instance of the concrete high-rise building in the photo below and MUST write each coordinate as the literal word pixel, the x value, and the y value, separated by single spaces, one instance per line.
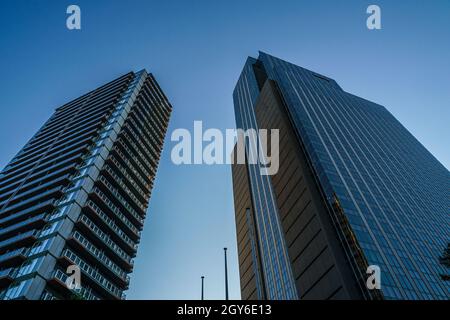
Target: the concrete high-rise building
pixel 354 189
pixel 75 197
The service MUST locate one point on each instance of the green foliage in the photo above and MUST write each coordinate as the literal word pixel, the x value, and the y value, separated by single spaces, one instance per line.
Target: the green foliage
pixel 76 296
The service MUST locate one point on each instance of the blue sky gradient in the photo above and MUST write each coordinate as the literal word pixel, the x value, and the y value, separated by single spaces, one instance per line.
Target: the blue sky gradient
pixel 196 50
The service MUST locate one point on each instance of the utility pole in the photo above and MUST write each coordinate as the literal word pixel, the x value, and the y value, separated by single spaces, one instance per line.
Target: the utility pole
pixel 203 278
pixel 226 274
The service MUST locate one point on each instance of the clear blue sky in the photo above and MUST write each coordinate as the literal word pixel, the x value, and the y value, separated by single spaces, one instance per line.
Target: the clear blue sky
pixel 196 49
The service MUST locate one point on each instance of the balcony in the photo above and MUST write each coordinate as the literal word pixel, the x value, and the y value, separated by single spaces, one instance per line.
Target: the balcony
pixel 113 87
pixel 158 111
pixel 35 222
pixel 131 166
pixel 47 296
pixel 139 147
pixel 40 207
pixel 121 200
pixel 137 133
pixel 7 276
pixel 106 202
pixel 59 278
pixel 137 203
pixel 44 175
pixel 127 182
pixel 66 138
pixel 105 240
pixel 52 193
pixel 22 239
pixel 64 148
pixel 14 257
pixel 28 188
pixel 97 255
pixel 142 113
pixel 97 278
pixel 136 155
pixel 131 179
pixel 120 236
pixel 150 132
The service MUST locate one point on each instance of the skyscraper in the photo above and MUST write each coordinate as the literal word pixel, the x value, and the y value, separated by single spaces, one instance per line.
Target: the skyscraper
pixel 75 197
pixel 354 189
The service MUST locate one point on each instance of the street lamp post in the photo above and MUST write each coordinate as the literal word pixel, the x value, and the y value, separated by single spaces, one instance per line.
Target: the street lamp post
pixel 203 279
pixel 226 274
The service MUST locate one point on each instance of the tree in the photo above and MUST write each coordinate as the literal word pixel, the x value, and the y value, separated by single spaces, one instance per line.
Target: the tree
pixel 76 296
pixel 445 261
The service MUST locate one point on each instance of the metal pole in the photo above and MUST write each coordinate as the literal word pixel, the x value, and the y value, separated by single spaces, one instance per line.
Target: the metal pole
pixel 203 278
pixel 226 274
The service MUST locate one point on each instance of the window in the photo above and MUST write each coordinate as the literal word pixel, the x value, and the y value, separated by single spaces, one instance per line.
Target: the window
pixel 17 290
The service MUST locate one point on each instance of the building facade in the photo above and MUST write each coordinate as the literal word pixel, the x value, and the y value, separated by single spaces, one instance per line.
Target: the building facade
pixel 74 199
pixel 354 189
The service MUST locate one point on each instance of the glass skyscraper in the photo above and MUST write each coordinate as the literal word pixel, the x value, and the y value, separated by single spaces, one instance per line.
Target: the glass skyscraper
pixel 75 197
pixel 385 196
